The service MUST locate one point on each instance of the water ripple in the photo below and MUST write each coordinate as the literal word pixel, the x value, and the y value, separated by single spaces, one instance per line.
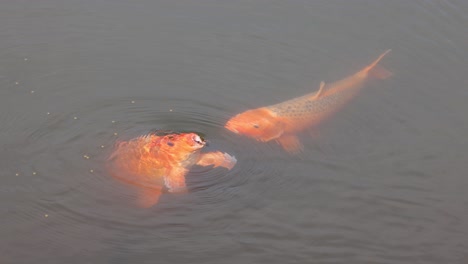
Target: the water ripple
pixel 68 150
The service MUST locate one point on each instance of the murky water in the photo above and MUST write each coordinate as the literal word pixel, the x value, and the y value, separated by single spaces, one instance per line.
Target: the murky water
pixel 383 181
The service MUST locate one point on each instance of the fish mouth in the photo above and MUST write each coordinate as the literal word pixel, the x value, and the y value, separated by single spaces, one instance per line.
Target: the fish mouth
pixel 231 128
pixel 197 139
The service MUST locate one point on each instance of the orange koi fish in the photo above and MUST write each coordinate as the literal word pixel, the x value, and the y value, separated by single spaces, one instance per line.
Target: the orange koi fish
pixel 281 122
pixel 157 162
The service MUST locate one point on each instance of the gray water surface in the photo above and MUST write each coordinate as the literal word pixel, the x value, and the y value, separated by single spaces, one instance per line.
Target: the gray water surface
pixel 383 181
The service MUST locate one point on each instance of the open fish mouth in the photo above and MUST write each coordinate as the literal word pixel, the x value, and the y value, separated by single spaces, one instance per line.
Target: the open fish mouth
pixel 197 139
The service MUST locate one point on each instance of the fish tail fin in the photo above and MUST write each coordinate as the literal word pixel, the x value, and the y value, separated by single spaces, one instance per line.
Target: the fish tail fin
pixel 378 71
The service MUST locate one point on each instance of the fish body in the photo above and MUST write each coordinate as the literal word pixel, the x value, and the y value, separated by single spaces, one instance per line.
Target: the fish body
pixel 154 162
pixel 281 122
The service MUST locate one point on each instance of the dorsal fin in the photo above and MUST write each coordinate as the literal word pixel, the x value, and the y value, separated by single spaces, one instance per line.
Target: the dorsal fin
pixel 320 91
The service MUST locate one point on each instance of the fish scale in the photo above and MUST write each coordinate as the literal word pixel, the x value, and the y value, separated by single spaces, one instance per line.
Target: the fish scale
pixel 281 122
pixel 306 106
pixel 154 161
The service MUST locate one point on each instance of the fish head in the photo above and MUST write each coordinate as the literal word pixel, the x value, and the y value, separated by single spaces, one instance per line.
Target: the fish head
pixel 259 124
pixel 145 160
pixel 183 143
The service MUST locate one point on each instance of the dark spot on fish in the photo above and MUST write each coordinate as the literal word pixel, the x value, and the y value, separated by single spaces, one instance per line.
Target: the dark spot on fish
pixel 170 144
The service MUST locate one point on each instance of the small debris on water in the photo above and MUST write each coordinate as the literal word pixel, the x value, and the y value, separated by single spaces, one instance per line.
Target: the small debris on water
pixel 133 102
pixel 170 110
pixel 48 113
pixel 86 156
pixel 102 146
pixel 75 118
pixel 115 133
pixel 46 215
pixel 16 83
pixel 113 121
pixel 25 59
pixel 34 173
pixel 91 171
pixel 17 174
pixel 32 92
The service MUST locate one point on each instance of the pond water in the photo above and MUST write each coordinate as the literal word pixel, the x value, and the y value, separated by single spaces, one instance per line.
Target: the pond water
pixel 383 181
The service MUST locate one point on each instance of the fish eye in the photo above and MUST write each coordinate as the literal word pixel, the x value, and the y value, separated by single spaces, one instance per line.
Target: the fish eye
pixel 170 144
pixel 256 126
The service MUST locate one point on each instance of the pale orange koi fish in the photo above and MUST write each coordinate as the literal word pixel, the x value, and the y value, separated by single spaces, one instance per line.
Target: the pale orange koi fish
pixel 157 162
pixel 281 122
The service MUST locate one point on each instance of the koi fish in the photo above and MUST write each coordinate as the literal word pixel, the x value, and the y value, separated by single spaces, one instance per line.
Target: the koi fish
pixel 154 163
pixel 281 122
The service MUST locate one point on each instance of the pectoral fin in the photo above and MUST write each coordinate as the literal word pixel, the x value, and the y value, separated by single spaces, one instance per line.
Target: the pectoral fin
pixel 175 180
pixel 217 159
pixel 148 197
pixel 291 144
pixel 320 91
